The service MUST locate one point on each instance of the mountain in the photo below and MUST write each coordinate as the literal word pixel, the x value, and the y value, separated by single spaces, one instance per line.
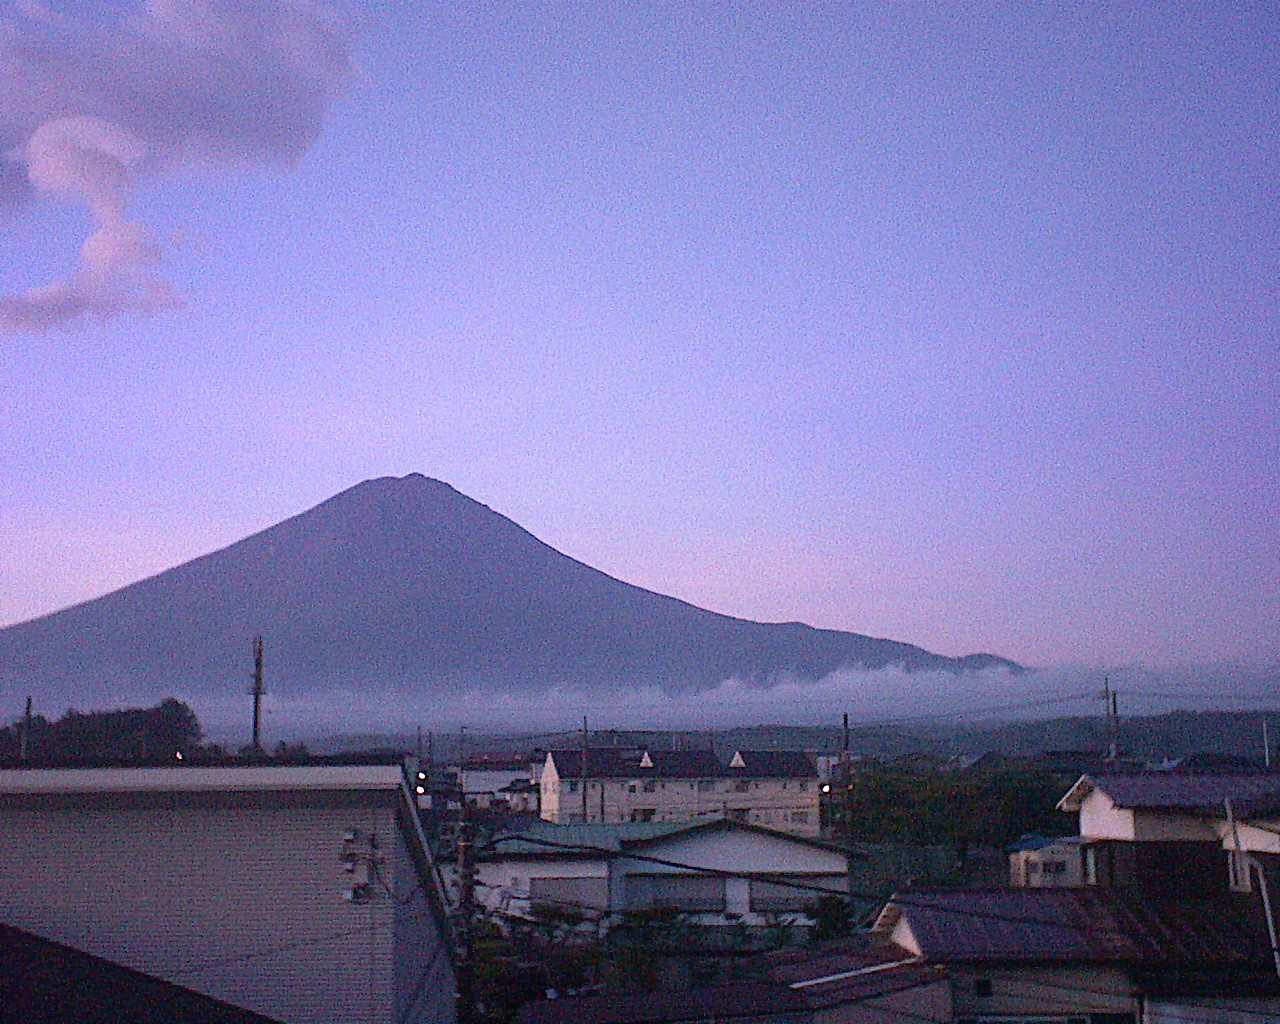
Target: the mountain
pixel 408 587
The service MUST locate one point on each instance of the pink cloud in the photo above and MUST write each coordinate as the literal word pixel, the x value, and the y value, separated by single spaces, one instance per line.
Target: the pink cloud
pixel 91 107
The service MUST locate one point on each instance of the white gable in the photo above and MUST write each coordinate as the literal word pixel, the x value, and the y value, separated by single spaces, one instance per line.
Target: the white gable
pixel 646 761
pixel 737 761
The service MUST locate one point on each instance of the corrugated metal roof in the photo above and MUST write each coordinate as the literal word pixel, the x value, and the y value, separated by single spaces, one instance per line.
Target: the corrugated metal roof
pixel 598 836
pixel 1090 924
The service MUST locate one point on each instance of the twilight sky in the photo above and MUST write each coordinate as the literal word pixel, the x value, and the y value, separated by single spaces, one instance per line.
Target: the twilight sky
pixel 957 325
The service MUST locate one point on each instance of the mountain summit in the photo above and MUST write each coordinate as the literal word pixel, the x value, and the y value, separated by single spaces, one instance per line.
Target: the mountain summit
pixel 406 586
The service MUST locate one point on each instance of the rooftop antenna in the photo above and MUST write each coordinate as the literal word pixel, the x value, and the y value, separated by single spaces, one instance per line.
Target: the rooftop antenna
pixel 258 690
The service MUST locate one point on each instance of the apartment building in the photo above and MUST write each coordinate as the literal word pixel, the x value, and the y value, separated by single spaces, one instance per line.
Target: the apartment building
pixel 304 894
pixel 773 789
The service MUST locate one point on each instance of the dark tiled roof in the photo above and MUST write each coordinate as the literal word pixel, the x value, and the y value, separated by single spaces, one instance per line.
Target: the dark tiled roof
pixel 1088 924
pixel 1175 791
pixel 742 1001
pixel 43 982
pixel 612 763
pixel 774 764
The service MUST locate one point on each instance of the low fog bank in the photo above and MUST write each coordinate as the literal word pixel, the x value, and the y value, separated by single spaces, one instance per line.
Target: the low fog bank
pixel 886 696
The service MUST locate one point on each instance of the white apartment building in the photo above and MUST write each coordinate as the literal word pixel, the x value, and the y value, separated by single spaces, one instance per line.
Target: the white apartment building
pixel 772 789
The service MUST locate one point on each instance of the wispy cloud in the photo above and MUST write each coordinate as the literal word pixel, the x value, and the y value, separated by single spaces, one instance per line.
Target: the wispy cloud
pixel 87 108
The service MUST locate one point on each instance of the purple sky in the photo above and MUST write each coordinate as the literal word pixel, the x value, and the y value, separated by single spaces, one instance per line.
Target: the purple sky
pixel 955 325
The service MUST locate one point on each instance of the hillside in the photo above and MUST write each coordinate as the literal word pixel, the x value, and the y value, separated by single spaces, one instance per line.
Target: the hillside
pixel 403 588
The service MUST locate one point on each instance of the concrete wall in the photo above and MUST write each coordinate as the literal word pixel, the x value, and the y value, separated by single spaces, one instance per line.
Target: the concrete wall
pixel 237 895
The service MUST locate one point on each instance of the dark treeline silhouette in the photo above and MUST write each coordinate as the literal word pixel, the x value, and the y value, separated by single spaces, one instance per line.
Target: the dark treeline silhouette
pixel 131 734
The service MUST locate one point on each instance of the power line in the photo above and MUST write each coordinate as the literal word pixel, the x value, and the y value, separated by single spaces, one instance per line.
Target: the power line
pixel 774 879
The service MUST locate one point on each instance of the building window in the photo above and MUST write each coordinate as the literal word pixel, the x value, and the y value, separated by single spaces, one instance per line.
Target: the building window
pixel 804 787
pixel 706 785
pixel 741 786
pixel 737 814
pixel 650 786
pixel 573 787
pixel 800 817
pixel 982 988
pixel 643 813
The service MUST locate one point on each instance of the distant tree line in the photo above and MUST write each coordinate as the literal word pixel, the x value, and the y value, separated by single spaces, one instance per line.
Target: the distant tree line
pixel 886 805
pixel 131 734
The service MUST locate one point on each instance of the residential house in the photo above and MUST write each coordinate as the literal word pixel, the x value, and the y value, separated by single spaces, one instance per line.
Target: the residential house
pixel 486 779
pixel 715 873
pixel 1047 862
pixel 1097 955
pixel 775 789
pixel 304 893
pixel 1171 832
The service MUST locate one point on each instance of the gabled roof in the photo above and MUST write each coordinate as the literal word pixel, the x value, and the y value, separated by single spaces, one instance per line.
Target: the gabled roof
pixel 772 764
pixel 1180 793
pixel 616 763
pixel 1075 925
pixel 45 982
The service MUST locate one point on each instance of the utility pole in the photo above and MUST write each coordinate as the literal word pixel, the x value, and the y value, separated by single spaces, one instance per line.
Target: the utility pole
pixel 24 744
pixel 1266 739
pixel 419 748
pixel 1113 720
pixel 466 911
pixel 258 690
pixel 582 775
pixel 846 783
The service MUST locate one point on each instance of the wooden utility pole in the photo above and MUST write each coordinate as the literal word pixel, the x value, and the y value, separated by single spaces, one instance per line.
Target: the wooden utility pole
pixel 582 775
pixel 258 690
pixel 1266 738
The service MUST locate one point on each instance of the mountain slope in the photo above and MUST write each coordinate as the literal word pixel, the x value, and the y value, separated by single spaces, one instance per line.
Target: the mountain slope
pixel 407 586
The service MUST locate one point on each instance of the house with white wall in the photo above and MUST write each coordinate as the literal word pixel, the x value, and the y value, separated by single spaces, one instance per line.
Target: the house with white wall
pixel 774 789
pixel 305 894
pixel 1172 831
pixel 714 873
